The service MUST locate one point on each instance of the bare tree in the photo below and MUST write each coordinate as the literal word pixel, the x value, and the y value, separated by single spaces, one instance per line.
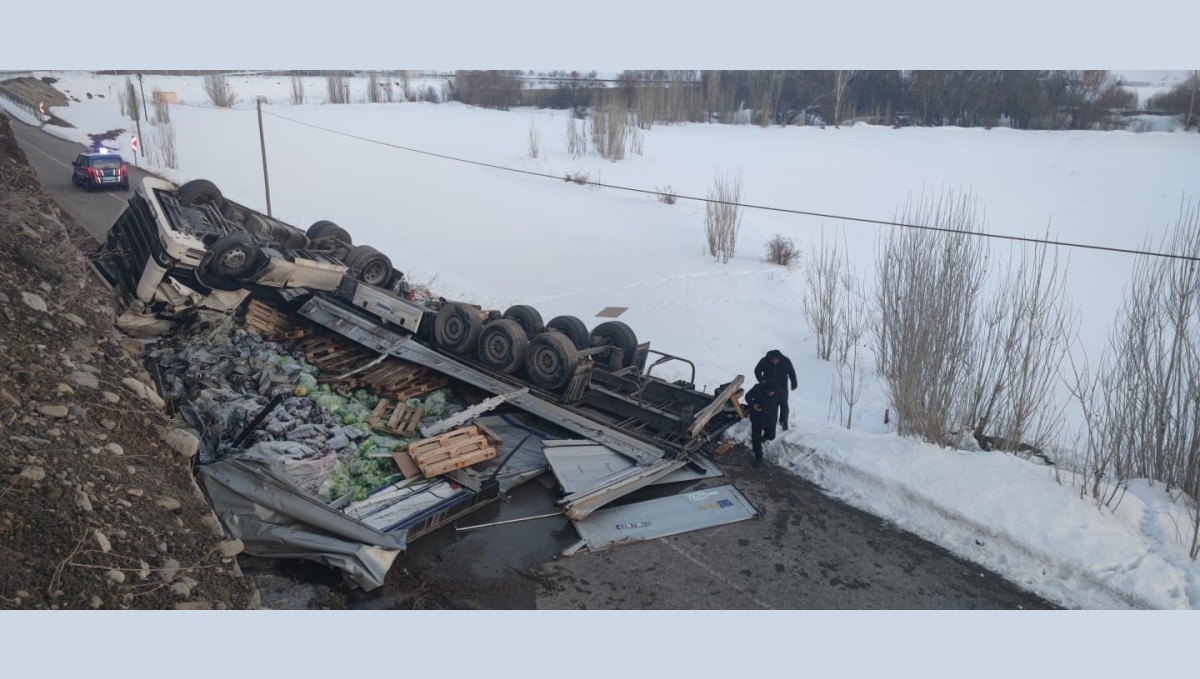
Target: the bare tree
pixel 723 217
pixel 928 288
pixel 576 140
pixel 1147 402
pixel 162 107
pixel 535 141
pixel 160 148
pixel 822 299
pixel 297 90
pixel 851 327
pixel 219 92
pixel 610 130
pixel 374 91
pixel 337 89
pixel 840 80
pixel 131 100
pixel 1194 76
pixel 1022 338
pixel 490 89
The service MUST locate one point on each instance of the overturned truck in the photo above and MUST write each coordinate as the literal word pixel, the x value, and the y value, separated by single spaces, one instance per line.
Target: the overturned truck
pixel 178 250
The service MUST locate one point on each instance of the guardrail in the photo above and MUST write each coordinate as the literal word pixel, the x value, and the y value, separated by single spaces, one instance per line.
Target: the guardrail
pixel 24 104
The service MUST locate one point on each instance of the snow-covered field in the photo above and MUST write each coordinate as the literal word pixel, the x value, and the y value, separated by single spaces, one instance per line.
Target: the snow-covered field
pixel 500 238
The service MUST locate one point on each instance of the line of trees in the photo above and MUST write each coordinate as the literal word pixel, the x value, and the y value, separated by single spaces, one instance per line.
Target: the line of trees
pixel 1020 99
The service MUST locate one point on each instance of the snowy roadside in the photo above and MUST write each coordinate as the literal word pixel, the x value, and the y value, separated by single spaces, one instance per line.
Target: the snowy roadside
pixel 1007 514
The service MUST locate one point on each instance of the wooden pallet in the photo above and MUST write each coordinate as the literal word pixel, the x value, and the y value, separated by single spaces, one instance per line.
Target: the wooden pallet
pixel 395 419
pixel 450 451
pixel 335 355
pixel 267 320
pixel 420 387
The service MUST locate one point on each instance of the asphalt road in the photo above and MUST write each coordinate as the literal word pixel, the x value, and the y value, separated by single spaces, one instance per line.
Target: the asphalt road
pixel 52 157
pixel 806 551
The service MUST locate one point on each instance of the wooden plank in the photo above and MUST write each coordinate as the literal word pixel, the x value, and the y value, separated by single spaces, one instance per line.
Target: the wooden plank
pixel 493 438
pixel 405 462
pixel 443 440
pixel 455 449
pixel 289 335
pixel 410 421
pixel 378 412
pixel 460 462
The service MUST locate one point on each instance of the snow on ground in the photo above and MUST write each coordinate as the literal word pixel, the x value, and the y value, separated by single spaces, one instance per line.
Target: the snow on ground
pixel 569 249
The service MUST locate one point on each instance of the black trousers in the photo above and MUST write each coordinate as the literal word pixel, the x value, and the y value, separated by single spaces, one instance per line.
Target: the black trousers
pixel 762 428
pixel 782 395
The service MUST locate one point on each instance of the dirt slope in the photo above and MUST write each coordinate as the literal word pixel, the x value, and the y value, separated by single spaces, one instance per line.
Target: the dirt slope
pixel 96 508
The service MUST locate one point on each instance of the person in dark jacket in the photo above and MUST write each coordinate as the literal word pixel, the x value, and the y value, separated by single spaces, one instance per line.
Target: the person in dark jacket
pixel 777 368
pixel 761 404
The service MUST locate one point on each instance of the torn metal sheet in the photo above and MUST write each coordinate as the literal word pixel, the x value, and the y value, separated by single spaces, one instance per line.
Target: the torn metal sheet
pixel 639 521
pixel 275 519
pixel 400 504
pixel 579 465
pixel 578 505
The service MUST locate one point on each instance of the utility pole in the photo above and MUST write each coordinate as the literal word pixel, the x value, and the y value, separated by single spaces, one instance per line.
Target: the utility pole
pixel 138 151
pixel 262 142
pixel 143 89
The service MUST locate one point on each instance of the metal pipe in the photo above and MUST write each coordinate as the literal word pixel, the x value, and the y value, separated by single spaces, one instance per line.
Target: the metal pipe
pixel 262 142
pixel 501 523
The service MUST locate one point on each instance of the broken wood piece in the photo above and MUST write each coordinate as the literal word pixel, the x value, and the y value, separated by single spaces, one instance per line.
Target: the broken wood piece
pixel 405 462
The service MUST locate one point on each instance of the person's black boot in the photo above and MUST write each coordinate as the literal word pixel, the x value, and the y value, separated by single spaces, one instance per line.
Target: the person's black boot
pixel 757 461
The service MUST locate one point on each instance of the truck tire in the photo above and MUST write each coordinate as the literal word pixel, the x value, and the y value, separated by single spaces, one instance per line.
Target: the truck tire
pixel 616 333
pixel 456 328
pixel 550 360
pixel 370 266
pixel 573 328
pixel 527 317
pixel 502 345
pixel 327 229
pixel 200 191
pixel 230 260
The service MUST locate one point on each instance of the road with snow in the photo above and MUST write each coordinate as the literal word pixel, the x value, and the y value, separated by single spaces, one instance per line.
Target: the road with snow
pixel 806 551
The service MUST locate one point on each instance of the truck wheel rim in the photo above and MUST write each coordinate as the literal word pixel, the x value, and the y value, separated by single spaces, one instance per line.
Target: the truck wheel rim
pixel 234 259
pixel 374 273
pixel 497 348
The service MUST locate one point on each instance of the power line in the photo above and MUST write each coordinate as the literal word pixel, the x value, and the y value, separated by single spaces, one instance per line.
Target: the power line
pixel 749 206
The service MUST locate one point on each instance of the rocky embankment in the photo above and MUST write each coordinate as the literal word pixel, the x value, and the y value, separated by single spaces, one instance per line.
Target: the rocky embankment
pixel 98 505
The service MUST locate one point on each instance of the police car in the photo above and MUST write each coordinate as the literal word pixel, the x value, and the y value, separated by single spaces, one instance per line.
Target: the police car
pixel 100 169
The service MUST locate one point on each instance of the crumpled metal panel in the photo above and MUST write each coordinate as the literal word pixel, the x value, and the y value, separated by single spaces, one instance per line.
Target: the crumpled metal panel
pixel 277 520
pixel 579 465
pixel 658 518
